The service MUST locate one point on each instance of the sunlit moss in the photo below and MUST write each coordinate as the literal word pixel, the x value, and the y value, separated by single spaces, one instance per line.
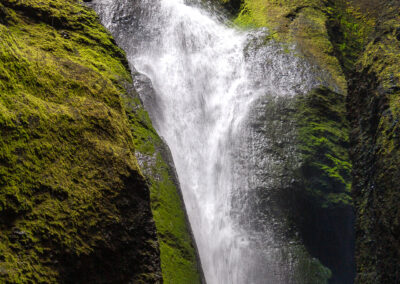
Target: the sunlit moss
pixel 178 257
pixel 301 22
pixel 65 146
pixel 69 135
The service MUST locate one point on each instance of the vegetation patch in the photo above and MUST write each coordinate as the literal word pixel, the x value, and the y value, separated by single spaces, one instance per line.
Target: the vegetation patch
pixel 324 143
pixel 74 207
pixel 301 22
pixel 179 261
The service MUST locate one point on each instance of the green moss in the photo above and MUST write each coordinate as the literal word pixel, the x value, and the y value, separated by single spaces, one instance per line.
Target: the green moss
pixel 374 112
pixel 323 142
pixel 66 148
pixel 383 58
pixel 301 22
pixel 178 256
pixel 350 28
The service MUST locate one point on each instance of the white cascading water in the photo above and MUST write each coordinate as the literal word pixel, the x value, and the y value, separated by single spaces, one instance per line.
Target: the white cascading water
pixel 207 79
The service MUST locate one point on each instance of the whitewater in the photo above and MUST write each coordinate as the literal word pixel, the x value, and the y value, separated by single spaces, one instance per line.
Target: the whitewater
pixel 210 79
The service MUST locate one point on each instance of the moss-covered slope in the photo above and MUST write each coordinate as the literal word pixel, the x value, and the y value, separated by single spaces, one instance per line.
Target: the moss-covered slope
pixel 179 260
pixel 374 113
pixel 74 206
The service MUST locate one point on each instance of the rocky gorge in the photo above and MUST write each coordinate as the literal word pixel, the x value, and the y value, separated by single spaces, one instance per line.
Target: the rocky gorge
pixel 296 108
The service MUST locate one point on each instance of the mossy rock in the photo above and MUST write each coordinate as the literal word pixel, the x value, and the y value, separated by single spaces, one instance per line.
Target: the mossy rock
pixel 74 206
pixel 321 196
pixel 324 142
pixel 179 260
pixel 373 104
pixel 303 23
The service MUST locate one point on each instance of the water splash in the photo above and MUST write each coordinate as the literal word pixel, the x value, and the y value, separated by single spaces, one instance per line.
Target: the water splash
pixel 209 81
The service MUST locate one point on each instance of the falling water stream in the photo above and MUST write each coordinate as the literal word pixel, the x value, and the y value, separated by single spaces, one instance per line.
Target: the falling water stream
pixel 210 82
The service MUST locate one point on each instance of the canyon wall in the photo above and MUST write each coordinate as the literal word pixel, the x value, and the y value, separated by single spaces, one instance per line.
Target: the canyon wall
pixel 88 191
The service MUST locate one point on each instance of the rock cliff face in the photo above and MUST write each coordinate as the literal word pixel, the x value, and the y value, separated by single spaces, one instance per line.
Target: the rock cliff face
pixel 357 42
pixel 317 200
pixel 374 113
pixel 365 36
pixel 74 203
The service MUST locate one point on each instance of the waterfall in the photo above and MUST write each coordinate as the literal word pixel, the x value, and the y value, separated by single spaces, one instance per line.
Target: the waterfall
pixel 211 84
